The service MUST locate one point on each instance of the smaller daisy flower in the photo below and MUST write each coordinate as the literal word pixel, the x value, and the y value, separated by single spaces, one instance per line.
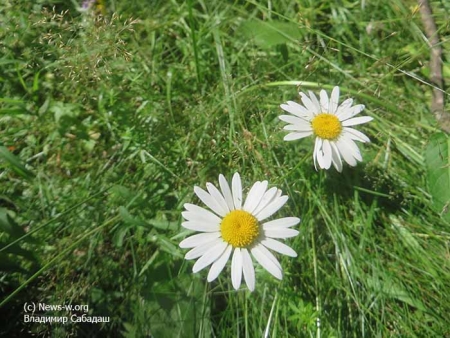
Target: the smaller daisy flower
pixel 234 229
pixel 330 123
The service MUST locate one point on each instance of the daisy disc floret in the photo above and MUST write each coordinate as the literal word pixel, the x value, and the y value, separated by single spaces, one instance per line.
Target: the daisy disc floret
pixel 330 124
pixel 231 228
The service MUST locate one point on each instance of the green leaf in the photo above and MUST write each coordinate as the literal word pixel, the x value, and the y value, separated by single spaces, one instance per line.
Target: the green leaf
pixel 164 224
pixel 437 158
pixel 63 110
pixel 8 225
pixel 44 107
pixel 167 246
pixel 389 288
pixel 130 220
pixel 267 34
pixel 18 251
pixel 6 201
pixel 9 265
pixel 119 236
pixel 404 234
pixel 180 302
pixel 120 194
pixel 67 118
pixel 12 111
pixel 15 163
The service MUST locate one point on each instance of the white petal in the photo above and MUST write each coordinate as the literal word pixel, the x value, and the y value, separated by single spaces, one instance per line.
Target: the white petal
pixel 226 192
pixel 269 255
pixel 255 195
pixel 219 264
pixel 355 134
pixel 201 249
pixel 317 142
pixel 296 109
pixel 343 108
pixel 320 159
pixel 324 103
pixel 236 187
pixel 249 270
pixel 200 226
pixel 327 153
pixel 346 113
pixel 357 120
pixel 285 222
pixel 293 119
pixel 315 102
pixel 268 197
pixel 346 152
pixel 278 247
pixel 309 104
pixel 271 208
pixel 199 213
pixel 267 261
pixel 334 100
pixel 215 193
pixel 298 127
pixel 251 194
pixel 320 155
pixel 297 135
pixel 353 147
pixel 236 268
pixel 209 256
pixel 209 201
pixel 336 157
pixel 199 239
pixel 281 233
pixel 277 195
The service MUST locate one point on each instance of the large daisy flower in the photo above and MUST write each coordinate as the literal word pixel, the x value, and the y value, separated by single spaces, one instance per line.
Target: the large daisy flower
pixel 237 229
pixel 330 123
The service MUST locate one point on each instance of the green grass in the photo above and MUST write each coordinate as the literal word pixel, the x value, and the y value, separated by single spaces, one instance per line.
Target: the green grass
pixel 114 120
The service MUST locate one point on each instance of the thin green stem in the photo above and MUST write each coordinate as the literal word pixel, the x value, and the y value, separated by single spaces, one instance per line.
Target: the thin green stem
pixel 316 284
pixel 53 219
pixel 194 42
pixel 56 258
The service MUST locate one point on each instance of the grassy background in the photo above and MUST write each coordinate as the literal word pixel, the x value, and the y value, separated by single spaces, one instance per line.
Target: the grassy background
pixel 119 111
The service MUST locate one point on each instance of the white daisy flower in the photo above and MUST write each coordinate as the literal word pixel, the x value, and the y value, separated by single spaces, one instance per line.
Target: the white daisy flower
pixel 237 229
pixel 330 124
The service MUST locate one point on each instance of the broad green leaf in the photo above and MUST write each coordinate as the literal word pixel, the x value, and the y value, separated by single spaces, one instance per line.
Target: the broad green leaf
pixel 8 264
pixel 61 109
pixel 6 200
pixel 120 194
pixel 388 287
pixel 18 251
pixel 4 62
pixel 404 234
pixel 44 107
pixel 8 225
pixel 437 159
pixel 164 224
pixel 15 163
pixel 396 291
pixel 167 246
pixel 119 236
pixel 12 111
pixel 267 34
pixel 129 219
pixel 67 118
pixel 179 301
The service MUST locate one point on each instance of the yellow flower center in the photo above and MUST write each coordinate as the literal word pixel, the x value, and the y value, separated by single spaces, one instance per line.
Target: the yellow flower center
pixel 239 228
pixel 326 126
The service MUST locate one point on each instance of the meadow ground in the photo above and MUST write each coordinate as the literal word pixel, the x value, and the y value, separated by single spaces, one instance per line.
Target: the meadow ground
pixel 110 116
